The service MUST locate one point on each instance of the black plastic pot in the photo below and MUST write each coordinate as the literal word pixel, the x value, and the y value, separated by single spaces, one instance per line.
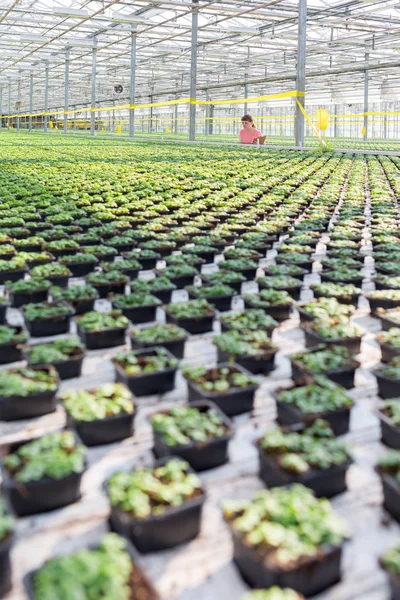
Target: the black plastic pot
pixel 388 352
pixel 383 286
pixel 147 263
pixel 221 303
pixel 3 312
pixel 280 312
pixel 387 386
pixel 313 339
pixel 5 564
pixel 182 281
pixel 108 338
pixel 256 364
pixel 233 402
pixel 288 414
pixel 12 275
pixel 225 327
pixel 14 408
pixel 158 382
pixel 141 314
pixel 193 326
pixel 66 252
pixel 49 327
pixel 324 482
pixel 386 323
pixel 39 496
pixel 391 494
pixel 203 456
pixel 139 579
pixel 344 376
pixel 163 295
pixel 176 347
pixel 308 579
pixel 11 352
pixel 209 257
pixel 390 433
pixel 356 280
pixel 394 582
pixel 60 280
pixel 375 303
pixel 345 299
pixel 79 269
pixel 176 525
pixel 305 317
pixel 104 289
pixel 83 306
pixel 284 258
pixel 20 298
pixel 294 292
pixel 103 431
pixel 66 369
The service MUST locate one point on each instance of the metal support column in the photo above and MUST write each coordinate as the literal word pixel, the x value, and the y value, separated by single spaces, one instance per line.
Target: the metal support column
pixel 46 97
pixel 66 90
pixel 301 70
pixel 9 103
pixel 19 102
pixel 176 116
pixel 132 83
pixel 30 100
pixel 365 136
pixel 93 94
pixel 193 72
pixel 246 93
pixel 151 115
pixel 207 115
pixel 335 122
pixel 211 121
pixel 1 106
pixel 385 121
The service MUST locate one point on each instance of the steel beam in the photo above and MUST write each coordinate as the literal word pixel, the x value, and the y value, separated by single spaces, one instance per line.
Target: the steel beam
pixel 30 100
pixel 301 71
pixel 93 94
pixel 193 72
pixel 1 106
pixel 46 97
pixel 132 82
pixel 366 77
pixel 66 91
pixel 19 102
pixel 246 92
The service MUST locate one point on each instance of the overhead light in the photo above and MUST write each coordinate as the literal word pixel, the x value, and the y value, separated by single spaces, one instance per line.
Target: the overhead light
pixel 62 11
pixel 118 17
pixel 80 42
pixel 240 30
pixel 31 37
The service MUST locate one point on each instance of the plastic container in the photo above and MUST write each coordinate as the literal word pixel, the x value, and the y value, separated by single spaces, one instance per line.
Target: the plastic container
pixel 80 269
pixel 201 457
pixel 256 365
pixel 48 327
pixel 375 303
pixel 163 295
pixel 390 433
pixel 20 298
pixel 344 376
pixel 108 338
pixel 193 326
pixel 356 280
pixel 344 299
pixel 3 312
pixel 142 588
pixel 314 576
pixel 388 352
pixel 83 306
pixel 13 408
pixel 104 289
pixel 280 312
pixel 176 525
pixel 39 496
pixel 313 339
pixel 12 351
pixel 391 494
pixel 148 384
pixel 13 275
pixel 5 565
pixel 66 369
pixel 176 347
pixel 339 420
pixel 103 431
pixel 294 292
pixel 141 314
pixel 386 323
pixel 233 402
pixel 221 303
pixel 324 482
pixel 387 386
pixel 60 280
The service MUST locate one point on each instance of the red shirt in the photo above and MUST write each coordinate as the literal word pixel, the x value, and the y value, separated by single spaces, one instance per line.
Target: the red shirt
pixel 247 137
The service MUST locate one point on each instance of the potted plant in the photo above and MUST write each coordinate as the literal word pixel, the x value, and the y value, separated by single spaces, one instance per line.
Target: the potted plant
pixel 251 319
pixel 113 561
pixel 169 512
pixel 138 307
pixel 310 455
pixel 335 362
pixel 147 258
pixel 390 563
pixel 246 266
pixel 35 243
pixel 342 275
pixel 346 294
pixel 252 350
pixel 113 282
pixel 43 474
pixel 181 275
pixel 198 434
pixel 169 336
pixel 389 417
pixel 229 386
pixel 281 283
pixel 322 308
pixel 161 246
pixel 234 253
pixel 62 247
pixel 101 252
pixel 274 593
pixel 3 309
pixel 388 469
pixel 195 316
pixel 234 280
pixel 11 340
pixel 47 318
pixel 218 295
pixel 102 330
pixel 320 399
pixel 7 251
pixel 333 331
pixel 128 266
pixel 146 372
pixel 389 317
pixel 389 342
pixel 285 270
pixel 100 416
pixel 185 259
pixel 7 525
pixel 27 392
pixel 276 303
pixel 161 287
pixel 204 251
pixel 28 291
pixel 80 264
pixel 33 259
pixel 386 282
pixel 55 272
pixel 388 378
pixel 383 299
pixel 295 258
pixel 65 355
pixel 308 561
pixel 12 269
pixel 80 297
pixel 340 263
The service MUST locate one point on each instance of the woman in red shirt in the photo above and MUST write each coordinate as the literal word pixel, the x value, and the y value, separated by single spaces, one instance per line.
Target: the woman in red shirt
pixel 249 134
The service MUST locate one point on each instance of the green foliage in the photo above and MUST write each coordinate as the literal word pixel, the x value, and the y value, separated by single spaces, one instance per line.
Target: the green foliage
pixel 55 455
pixel 336 290
pixel 391 337
pixel 392 369
pixel 135 299
pixel 193 309
pixel 158 334
pixel 12 264
pixel 327 307
pixel 183 425
pixel 319 397
pixel 391 408
pixel 107 278
pixel 75 293
pixel 50 270
pixel 105 401
pixel 219 379
pixel 94 321
pixel 274 593
pixel 135 364
pixel 7 522
pixel 28 286
pixel 324 359
pixel 335 328
pixel 151 491
pixel 250 319
pixel 269 297
pixel 211 291
pixel 157 284
pixel 244 343
pixel 25 381
pixel 46 311
pixel 59 350
pixel 391 561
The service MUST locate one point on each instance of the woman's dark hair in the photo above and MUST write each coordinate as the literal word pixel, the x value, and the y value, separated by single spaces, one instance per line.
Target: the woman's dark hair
pixel 249 118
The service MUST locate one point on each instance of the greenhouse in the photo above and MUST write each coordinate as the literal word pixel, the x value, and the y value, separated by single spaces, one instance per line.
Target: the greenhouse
pixel 199 300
